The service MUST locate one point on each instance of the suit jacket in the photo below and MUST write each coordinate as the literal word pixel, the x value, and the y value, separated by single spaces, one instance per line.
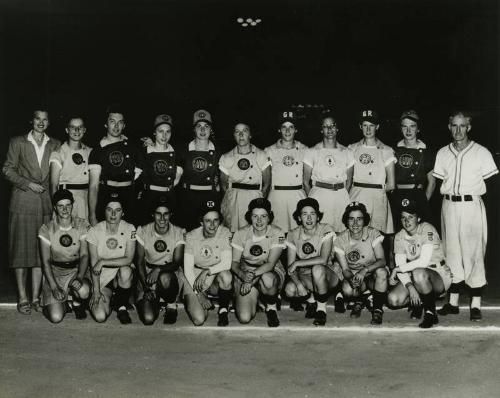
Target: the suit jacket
pixel 21 167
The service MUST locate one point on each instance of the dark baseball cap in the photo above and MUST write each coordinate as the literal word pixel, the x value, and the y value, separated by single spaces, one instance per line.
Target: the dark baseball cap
pixel 208 206
pixel 62 194
pixel 288 116
pixel 410 114
pixel 369 115
pixel 162 119
pixel 409 206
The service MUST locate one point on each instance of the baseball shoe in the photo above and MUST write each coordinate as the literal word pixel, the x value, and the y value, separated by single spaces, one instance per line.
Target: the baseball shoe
pixel 475 314
pixel 80 312
pixel 430 319
pixel 356 310
pixel 448 309
pixel 310 310
pixel 416 312
pixel 369 302
pixel 319 318
pixel 272 319
pixel 339 304
pixel 124 317
pixel 377 316
pixel 296 305
pixel 170 316
pixel 223 319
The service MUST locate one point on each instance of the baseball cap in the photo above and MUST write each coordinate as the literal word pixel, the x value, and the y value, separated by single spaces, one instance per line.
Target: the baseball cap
pixel 409 206
pixel 202 115
pixel 62 194
pixel 114 197
pixel 208 206
pixel 260 203
pixel 162 200
pixel 410 114
pixel 162 119
pixel 369 115
pixel 311 202
pixel 288 116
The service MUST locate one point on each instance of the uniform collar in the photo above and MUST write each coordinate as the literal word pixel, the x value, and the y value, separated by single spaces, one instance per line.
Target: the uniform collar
pixel 420 144
pixel 105 140
pixel 151 149
pixel 192 146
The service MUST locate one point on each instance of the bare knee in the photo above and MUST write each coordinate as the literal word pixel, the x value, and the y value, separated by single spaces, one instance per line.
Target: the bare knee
pixel 165 279
pixel 318 272
pixel 395 300
pixel 224 280
pixel 84 291
pixel 100 316
pixel 268 280
pixel 420 276
pixel 125 275
pixel 290 289
pixel 381 274
pixel 347 290
pixel 197 319
pixel 244 317
pixel 55 316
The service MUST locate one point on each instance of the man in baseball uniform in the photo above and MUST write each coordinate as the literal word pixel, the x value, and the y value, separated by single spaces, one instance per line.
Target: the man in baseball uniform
pixel 464 165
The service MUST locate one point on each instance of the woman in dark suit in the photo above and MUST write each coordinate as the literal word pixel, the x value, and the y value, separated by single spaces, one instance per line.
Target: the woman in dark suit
pixel 27 168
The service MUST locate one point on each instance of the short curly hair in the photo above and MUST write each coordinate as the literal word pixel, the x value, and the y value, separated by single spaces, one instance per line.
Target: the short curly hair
pixel 259 203
pixel 354 206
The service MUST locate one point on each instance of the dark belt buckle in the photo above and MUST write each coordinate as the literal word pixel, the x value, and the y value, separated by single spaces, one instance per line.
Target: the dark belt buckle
pixel 468 198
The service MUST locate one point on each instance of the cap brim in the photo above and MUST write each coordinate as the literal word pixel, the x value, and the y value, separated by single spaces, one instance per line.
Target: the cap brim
pixel 369 119
pixel 202 120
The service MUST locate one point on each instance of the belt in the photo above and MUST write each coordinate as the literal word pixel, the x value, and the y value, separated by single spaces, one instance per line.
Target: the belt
pixel 166 267
pixel 442 262
pixel 112 183
pixel 157 188
pixel 326 185
pixel 459 198
pixel 73 186
pixel 287 187
pixel 195 187
pixel 239 185
pixel 365 185
pixel 409 186
pixel 66 264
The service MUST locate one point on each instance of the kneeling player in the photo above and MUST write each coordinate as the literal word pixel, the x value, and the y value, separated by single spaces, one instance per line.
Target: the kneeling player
pixel 256 252
pixel 65 260
pixel 207 267
pixel 420 266
pixel 111 247
pixel 308 248
pixel 360 253
pixel 160 249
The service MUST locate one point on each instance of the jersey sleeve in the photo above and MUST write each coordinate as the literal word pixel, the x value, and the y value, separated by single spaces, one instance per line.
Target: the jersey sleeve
pixel 43 234
pixel 376 237
pixel 388 155
pixel 339 245
pixel 226 238
pixel 56 158
pixel 225 163
pixel 238 240
pixel 327 233
pixel 95 159
pixel 488 166
pixel 399 246
pixel 350 161
pixel 438 170
pixel 189 246
pixel 131 232
pixel 140 235
pixel 278 239
pixel 291 240
pixel 263 159
pixel 92 237
pixel 83 228
pixel 430 157
pixel 179 237
pixel 309 157
pixel 430 235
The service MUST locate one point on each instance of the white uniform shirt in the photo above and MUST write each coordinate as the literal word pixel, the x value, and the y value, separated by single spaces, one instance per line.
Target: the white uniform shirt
pixel 64 242
pixel 245 169
pixel 159 249
pixel 309 246
pixel 256 249
pixel 329 165
pixel 110 246
pixel 371 162
pixel 287 163
pixel 74 164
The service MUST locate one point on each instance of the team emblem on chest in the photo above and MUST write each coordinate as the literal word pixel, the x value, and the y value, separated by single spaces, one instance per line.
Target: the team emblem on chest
pixel 353 256
pixel 66 240
pixel 307 248
pixel 243 164
pixel 329 160
pixel 206 251
pixel 111 243
pixel 160 167
pixel 199 164
pixel 160 246
pixel 116 158
pixel 405 160
pixel 288 160
pixel 365 158
pixel 77 158
pixel 256 250
pixel 413 249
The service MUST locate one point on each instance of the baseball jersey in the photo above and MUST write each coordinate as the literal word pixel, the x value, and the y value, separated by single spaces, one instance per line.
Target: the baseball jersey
pixel 464 172
pixel 110 246
pixel 371 161
pixel 244 169
pixel 358 253
pixel 309 246
pixel 255 249
pixel 159 249
pixel 411 245
pixel 329 165
pixel 73 163
pixel 64 242
pixel 200 167
pixel 287 163
pixel 158 167
pixel 413 164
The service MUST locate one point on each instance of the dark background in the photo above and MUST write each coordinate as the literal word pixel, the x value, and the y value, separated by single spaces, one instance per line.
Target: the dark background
pixel 178 56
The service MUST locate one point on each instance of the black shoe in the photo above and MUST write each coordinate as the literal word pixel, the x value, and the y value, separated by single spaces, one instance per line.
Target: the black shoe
pixel 356 310
pixel 339 304
pixel 377 316
pixel 80 312
pixel 223 319
pixel 475 314
pixel 296 305
pixel 170 316
pixel 319 318
pixel 124 317
pixel 369 302
pixel 429 320
pixel 67 308
pixel 350 305
pixel 272 319
pixel 310 310
pixel 448 309
pixel 416 312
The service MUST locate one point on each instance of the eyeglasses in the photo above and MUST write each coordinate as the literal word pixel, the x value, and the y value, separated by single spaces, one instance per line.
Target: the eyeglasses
pixel 77 128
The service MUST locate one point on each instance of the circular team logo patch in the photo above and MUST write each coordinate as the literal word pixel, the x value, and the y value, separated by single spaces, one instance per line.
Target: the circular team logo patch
pixel 307 248
pixel 329 161
pixel 406 160
pixel 199 164
pixel 111 243
pixel 353 256
pixel 66 240
pixel 288 160
pixel 77 158
pixel 160 167
pixel 405 202
pixel 116 158
pixel 160 246
pixel 365 158
pixel 256 250
pixel 243 164
pixel 206 251
pixel 413 249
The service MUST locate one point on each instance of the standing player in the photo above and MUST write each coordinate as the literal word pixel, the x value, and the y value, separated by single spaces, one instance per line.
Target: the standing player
pixel 69 167
pixel 112 168
pixel 256 266
pixel 420 265
pixel 373 173
pixel 245 175
pixel 309 247
pixel 330 166
pixel 27 169
pixel 111 248
pixel 286 158
pixel 160 249
pixel 207 267
pixel 65 260
pixel 463 166
pixel 360 253
pixel 200 181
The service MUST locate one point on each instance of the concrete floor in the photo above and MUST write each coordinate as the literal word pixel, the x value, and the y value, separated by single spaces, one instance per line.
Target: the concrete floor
pixel 348 358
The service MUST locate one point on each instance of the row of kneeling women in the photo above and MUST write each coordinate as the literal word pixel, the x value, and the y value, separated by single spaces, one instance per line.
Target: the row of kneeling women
pixel 112 264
